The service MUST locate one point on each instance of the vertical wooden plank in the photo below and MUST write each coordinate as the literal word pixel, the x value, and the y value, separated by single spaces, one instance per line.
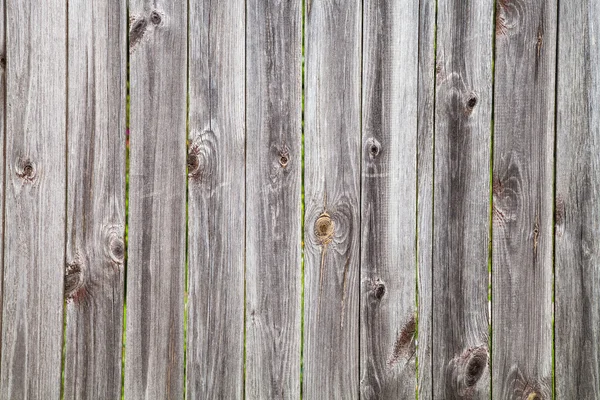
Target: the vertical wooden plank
pixel 95 198
pixel 426 98
pixel 388 209
pixel 577 213
pixel 522 195
pixel 35 200
pixel 2 148
pixel 156 263
pixel 332 198
pixel 273 176
pixel 461 200
pixel 216 163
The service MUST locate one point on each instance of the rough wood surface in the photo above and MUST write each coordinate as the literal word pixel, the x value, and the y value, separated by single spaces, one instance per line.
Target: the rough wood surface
pixel 577 212
pixel 522 199
pixel 216 162
pixel 462 199
pixel 2 150
pixel 156 253
pixel 273 175
pixel 95 198
pixel 332 198
pixel 425 122
pixel 34 254
pixel 389 194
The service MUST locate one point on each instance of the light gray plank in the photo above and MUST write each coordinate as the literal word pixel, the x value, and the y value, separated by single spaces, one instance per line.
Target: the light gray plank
pixel 426 97
pixel 2 149
pixel 273 179
pixel 462 199
pixel 34 253
pixel 332 198
pixel 156 253
pixel 389 194
pixel 577 212
pixel 95 198
pixel 522 196
pixel 216 163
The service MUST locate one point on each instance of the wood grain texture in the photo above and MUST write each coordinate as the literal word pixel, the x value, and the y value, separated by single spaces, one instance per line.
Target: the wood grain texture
pixel 332 198
pixel 577 215
pixel 273 179
pixel 34 253
pixel 216 164
pixel 425 190
pixel 157 215
pixel 462 199
pixel 388 209
pixel 95 198
pixel 522 199
pixel 2 149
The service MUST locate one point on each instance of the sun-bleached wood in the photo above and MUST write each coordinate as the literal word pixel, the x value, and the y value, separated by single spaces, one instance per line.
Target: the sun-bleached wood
pixel 157 193
pixel 389 196
pixel 577 207
pixel 34 216
pixel 523 199
pixel 95 198
pixel 273 179
pixel 462 199
pixel 216 163
pixel 332 199
pixel 425 190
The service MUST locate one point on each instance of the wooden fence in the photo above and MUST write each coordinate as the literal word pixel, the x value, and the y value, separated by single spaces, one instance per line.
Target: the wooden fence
pixel 271 199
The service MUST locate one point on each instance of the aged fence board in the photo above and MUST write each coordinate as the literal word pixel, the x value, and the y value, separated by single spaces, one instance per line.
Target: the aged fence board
pixel 2 133
pixel 425 126
pixel 95 198
pixel 216 161
pixel 577 212
pixel 522 199
pixel 462 199
pixel 388 209
pixel 156 253
pixel 34 252
pixel 273 175
pixel 332 198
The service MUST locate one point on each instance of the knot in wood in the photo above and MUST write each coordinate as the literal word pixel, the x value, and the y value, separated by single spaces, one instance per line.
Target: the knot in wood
pixel 324 228
pixel 117 250
pixel 472 102
pixel 284 157
pixel 155 17
pixel 73 279
pixel 476 364
pixel 373 147
pixel 193 162
pixel 3 61
pixel 26 169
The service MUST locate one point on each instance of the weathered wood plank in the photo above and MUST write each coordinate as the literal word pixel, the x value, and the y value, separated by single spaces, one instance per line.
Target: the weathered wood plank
pixel 332 198
pixel 522 199
pixel 273 179
pixel 156 253
pixel 462 199
pixel 426 97
pixel 2 149
pixel 95 198
pixel 216 163
pixel 34 253
pixel 577 212
pixel 389 194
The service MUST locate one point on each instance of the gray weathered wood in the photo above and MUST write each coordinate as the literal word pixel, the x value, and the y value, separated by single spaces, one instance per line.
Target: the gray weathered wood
pixel 156 253
pixel 332 197
pixel 95 198
pixel 2 133
pixel 426 88
pixel 216 162
pixel 389 194
pixel 462 199
pixel 577 209
pixel 34 254
pixel 273 178
pixel 522 196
